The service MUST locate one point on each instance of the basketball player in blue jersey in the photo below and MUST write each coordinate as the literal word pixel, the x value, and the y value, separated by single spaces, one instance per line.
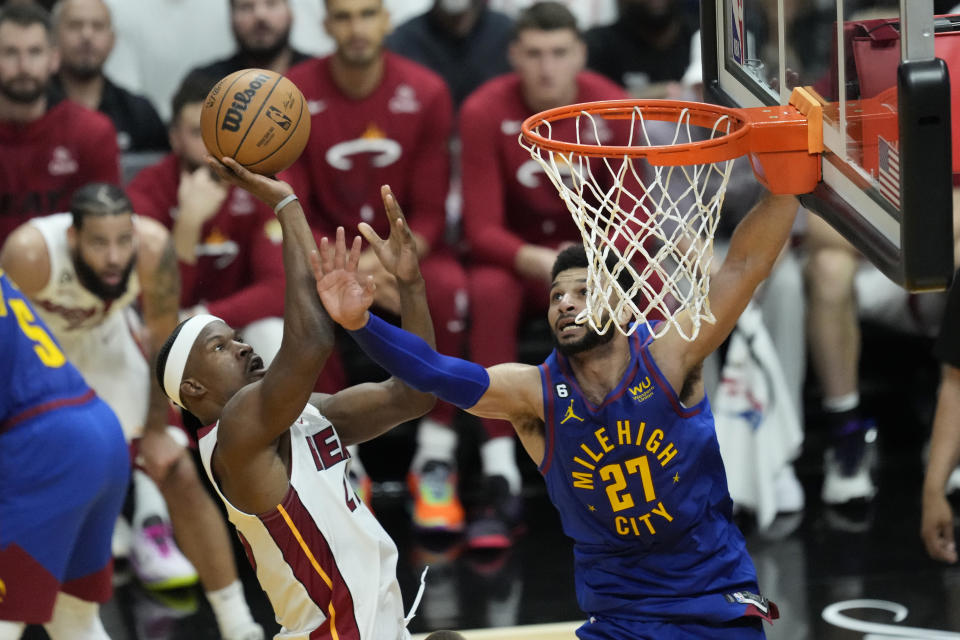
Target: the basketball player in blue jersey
pixel 64 469
pixel 623 434
pixel 276 453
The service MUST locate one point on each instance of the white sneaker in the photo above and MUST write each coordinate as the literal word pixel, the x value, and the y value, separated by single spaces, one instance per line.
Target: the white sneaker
pixel 839 488
pixel 122 538
pixel 156 559
pixel 953 481
pixel 789 491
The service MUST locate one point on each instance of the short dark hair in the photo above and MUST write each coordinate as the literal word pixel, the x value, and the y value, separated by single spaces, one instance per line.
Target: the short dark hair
pixel 575 257
pixel 27 14
pixel 98 199
pixel 193 89
pixel 545 16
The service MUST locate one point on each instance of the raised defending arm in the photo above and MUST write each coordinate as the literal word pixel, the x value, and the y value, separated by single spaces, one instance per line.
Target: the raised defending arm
pixel 505 391
pixel 754 247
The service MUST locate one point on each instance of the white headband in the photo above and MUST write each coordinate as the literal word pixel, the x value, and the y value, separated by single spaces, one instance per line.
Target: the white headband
pixel 180 351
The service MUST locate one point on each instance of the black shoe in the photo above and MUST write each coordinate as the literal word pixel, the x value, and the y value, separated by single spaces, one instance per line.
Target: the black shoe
pixel 498 517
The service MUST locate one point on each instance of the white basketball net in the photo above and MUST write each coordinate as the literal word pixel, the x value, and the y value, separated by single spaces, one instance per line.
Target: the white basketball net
pixel 658 230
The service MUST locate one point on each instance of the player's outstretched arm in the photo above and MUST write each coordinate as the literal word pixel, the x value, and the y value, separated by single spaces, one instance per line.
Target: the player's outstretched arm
pixel 364 411
pixel 754 247
pixel 936 526
pixel 261 412
pixel 509 391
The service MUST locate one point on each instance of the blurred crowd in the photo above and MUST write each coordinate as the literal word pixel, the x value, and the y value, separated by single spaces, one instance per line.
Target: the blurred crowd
pixel 100 106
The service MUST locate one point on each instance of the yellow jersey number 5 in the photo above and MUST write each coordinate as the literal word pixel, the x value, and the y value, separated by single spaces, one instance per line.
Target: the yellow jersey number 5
pixel 43 345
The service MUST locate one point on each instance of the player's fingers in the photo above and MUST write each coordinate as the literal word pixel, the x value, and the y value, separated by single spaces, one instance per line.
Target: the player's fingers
pixel 340 255
pixel 326 255
pixel 370 235
pixel 355 250
pixel 238 169
pixel 217 168
pixel 390 205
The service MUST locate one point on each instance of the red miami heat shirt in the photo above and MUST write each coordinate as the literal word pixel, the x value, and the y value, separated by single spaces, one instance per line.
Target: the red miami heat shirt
pixel 508 201
pixel 238 274
pixel 398 135
pixel 43 162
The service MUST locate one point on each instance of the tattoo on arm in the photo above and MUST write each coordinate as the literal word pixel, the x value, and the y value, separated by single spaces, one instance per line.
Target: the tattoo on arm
pixel 165 293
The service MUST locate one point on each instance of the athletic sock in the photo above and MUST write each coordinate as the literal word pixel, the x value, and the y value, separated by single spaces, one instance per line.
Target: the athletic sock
pixel 230 609
pixel 498 456
pixel 147 500
pixel 435 441
pixel 847 402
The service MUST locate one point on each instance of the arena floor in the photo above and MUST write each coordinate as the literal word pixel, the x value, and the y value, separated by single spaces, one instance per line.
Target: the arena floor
pixel 836 575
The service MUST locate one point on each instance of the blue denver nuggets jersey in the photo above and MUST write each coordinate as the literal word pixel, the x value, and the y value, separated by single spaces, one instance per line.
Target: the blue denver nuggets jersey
pixel 640 487
pixel 35 374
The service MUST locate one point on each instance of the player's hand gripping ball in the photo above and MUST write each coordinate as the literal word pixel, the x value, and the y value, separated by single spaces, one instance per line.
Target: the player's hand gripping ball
pixel 258 118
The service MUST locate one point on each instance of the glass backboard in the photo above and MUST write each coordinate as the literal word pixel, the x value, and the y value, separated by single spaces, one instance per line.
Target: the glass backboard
pixel 881 70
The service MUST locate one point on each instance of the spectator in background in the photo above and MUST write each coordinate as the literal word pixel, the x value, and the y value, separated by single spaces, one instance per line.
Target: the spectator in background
pixel 514 222
pixel 51 146
pixel 647 49
pixel 261 29
pixel 937 516
pixel 84 35
pixel 843 288
pixel 381 119
pixel 589 13
pixel 462 40
pixel 227 243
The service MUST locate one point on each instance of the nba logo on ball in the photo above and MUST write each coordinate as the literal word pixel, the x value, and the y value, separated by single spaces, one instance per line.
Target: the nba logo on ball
pixel 258 118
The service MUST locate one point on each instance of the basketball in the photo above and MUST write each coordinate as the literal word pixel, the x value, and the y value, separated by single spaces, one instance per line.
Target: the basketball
pixel 258 118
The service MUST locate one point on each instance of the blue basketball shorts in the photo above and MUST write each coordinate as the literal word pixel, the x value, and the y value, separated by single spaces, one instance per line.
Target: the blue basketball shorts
pixel 746 628
pixel 63 480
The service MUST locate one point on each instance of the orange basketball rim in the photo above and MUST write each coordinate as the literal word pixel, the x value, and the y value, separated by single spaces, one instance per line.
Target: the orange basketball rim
pixel 783 143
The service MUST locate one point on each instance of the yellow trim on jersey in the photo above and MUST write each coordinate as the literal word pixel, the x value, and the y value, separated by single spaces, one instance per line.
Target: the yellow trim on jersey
pixel 316 567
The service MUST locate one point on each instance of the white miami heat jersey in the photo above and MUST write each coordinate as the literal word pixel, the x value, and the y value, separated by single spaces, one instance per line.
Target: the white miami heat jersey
pixel 99 337
pixel 64 303
pixel 324 561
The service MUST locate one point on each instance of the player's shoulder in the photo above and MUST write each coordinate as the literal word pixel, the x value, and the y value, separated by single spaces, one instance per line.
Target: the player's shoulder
pixel 594 86
pixel 25 258
pixel 81 120
pixel 308 72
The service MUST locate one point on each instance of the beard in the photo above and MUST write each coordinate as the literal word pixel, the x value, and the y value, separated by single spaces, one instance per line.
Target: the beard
pixel 92 282
pixel 263 54
pixel 81 71
pixel 590 340
pixel 23 92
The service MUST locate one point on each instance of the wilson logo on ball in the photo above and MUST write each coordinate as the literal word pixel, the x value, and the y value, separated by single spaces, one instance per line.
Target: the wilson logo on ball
pixel 241 99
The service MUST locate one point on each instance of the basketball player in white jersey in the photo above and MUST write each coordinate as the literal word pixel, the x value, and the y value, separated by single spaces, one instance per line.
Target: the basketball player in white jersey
pixel 84 271
pixel 277 453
